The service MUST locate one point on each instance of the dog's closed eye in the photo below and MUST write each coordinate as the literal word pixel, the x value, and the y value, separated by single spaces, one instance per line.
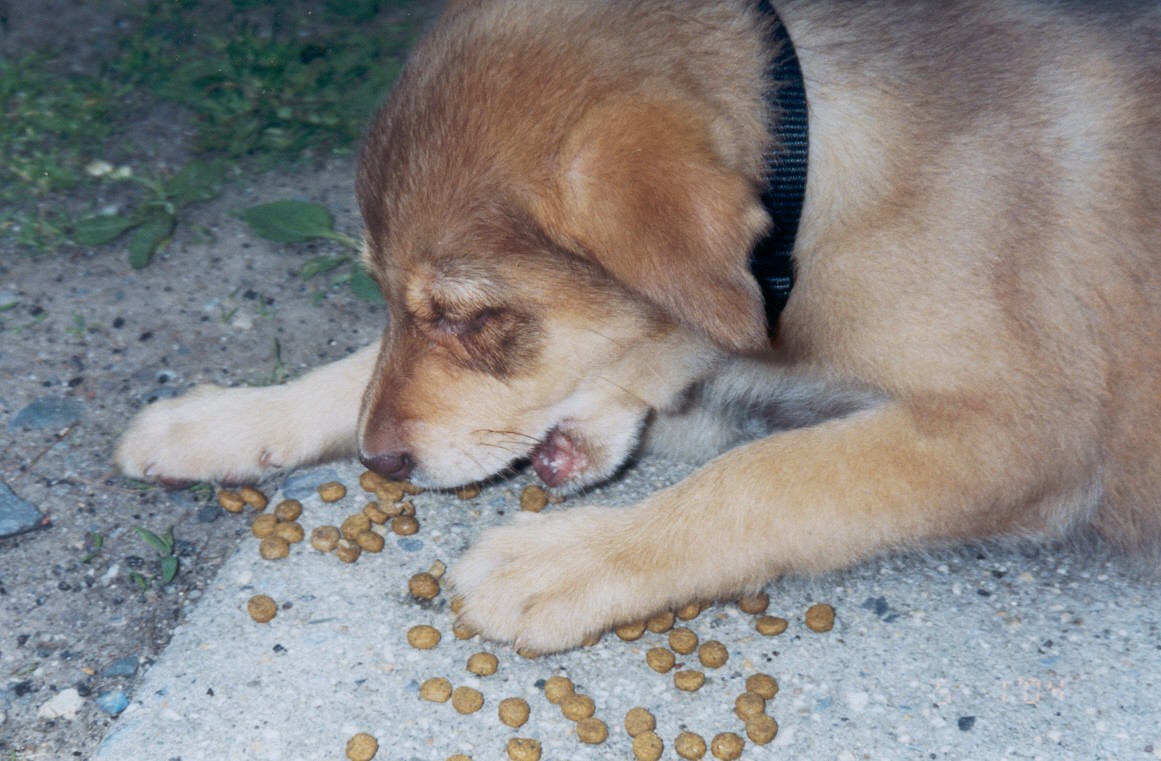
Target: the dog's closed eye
pixel 465 327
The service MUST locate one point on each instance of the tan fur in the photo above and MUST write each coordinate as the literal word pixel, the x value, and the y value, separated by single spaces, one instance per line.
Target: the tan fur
pixel 560 201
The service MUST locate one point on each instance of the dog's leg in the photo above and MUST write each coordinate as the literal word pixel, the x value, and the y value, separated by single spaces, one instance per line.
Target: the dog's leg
pixel 241 434
pixel 810 499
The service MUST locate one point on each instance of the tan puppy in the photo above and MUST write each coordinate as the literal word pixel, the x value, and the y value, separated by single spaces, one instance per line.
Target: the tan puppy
pixel 560 200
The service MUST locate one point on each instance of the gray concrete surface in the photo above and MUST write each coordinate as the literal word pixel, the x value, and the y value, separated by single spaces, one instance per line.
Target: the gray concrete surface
pixel 977 653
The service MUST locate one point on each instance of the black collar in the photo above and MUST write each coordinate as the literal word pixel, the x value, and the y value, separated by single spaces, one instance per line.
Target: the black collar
pixel 785 191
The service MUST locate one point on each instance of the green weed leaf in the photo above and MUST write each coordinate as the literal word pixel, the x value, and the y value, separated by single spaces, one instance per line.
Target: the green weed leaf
pixel 163 546
pixel 148 238
pixel 197 181
pixel 290 221
pixel 101 229
pixel 319 265
pixel 169 565
pixel 142 582
pixel 363 286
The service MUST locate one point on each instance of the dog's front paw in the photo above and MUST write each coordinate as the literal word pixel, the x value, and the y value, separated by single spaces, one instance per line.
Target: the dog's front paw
pixel 547 582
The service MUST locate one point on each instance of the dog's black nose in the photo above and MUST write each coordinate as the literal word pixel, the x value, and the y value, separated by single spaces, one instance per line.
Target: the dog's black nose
pixel 395 465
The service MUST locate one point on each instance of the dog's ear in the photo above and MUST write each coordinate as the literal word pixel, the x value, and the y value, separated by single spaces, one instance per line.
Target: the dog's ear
pixel 643 191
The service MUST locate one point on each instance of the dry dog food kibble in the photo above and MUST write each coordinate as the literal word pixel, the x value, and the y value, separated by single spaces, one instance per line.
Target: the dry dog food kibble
pixel 689 746
pixel 770 625
pixel 523 749
pixel 749 704
pixel 437 690
pixel 576 707
pixel 639 720
pixel 324 538
pixel 263 525
pixel 470 491
pixel 459 757
pixel 389 493
pixel 689 681
pixel 513 712
pixel 660 659
pixel 369 541
pixel 713 654
pixel 262 608
pixel 557 688
pixel 689 611
pixel 332 491
pixel 347 551
pixel 231 502
pixel 463 631
pixel 533 499
pixel 273 548
pixel 761 729
pixel 467 699
pixel 374 514
pixel 661 623
pixel 362 747
pixel 762 684
pixel 754 604
pixel 592 731
pixel 253 497
pixel 292 532
pixel 404 525
pixel 727 746
pixel 423 586
pixel 630 632
pixel 483 664
pixel 683 641
pixel 288 510
pixel 820 617
pixel 370 481
pixel 648 746
pixel 456 605
pixel 423 637
pixel 353 524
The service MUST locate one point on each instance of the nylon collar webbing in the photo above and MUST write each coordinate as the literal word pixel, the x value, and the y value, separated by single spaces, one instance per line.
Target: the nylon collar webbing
pixel 770 261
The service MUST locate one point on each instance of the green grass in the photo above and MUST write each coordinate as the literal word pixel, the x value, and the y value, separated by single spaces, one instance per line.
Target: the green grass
pixel 264 84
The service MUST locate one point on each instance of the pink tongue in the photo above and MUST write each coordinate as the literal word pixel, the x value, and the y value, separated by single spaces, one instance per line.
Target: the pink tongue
pixel 558 459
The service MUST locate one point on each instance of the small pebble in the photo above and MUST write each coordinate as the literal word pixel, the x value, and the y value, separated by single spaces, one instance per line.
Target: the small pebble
pixel 112 703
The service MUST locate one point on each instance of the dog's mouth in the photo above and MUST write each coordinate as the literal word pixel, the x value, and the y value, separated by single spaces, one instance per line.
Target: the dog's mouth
pixel 559 458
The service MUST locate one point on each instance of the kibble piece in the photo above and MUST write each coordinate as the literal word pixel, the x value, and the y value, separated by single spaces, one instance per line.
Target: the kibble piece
pixel 231 502
pixel 369 541
pixel 463 631
pixel 456 604
pixel 273 548
pixel 761 729
pixel 754 604
pixel 423 637
pixel 263 525
pixel 288 510
pixel 467 699
pixel 592 640
pixel 770 625
pixel 332 491
pixel 689 746
pixel 409 488
pixel 689 680
pixel 631 632
pixel 404 525
pixel 727 746
pixel 347 551
pixel 661 623
pixel 533 499
pixel 762 684
pixel 514 712
pixel 523 749
pixel 262 608
pixel 324 538
pixel 437 690
pixel 748 705
pixel 459 757
pixel 529 653
pixel 689 611
pixel 592 731
pixel 438 569
pixel 389 493
pixel 362 747
pixel 370 481
pixel 424 586
pixel 648 746
pixel 639 720
pixel 576 707
pixel 353 525
pixel 471 491
pixel 557 688
pixel 483 664
pixel 660 659
pixel 253 497
pixel 683 641
pixel 820 617
pixel 713 654
pixel 374 514
pixel 292 532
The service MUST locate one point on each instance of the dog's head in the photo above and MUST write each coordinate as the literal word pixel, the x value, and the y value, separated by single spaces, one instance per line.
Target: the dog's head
pixel 560 217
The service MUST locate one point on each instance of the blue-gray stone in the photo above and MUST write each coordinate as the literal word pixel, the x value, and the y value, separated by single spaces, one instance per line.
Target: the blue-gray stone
pixel 54 412
pixel 304 483
pixel 17 515
pixel 112 703
pixel 410 544
pixel 121 667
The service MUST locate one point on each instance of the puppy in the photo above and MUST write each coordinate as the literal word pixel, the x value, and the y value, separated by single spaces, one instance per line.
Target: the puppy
pixel 561 199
